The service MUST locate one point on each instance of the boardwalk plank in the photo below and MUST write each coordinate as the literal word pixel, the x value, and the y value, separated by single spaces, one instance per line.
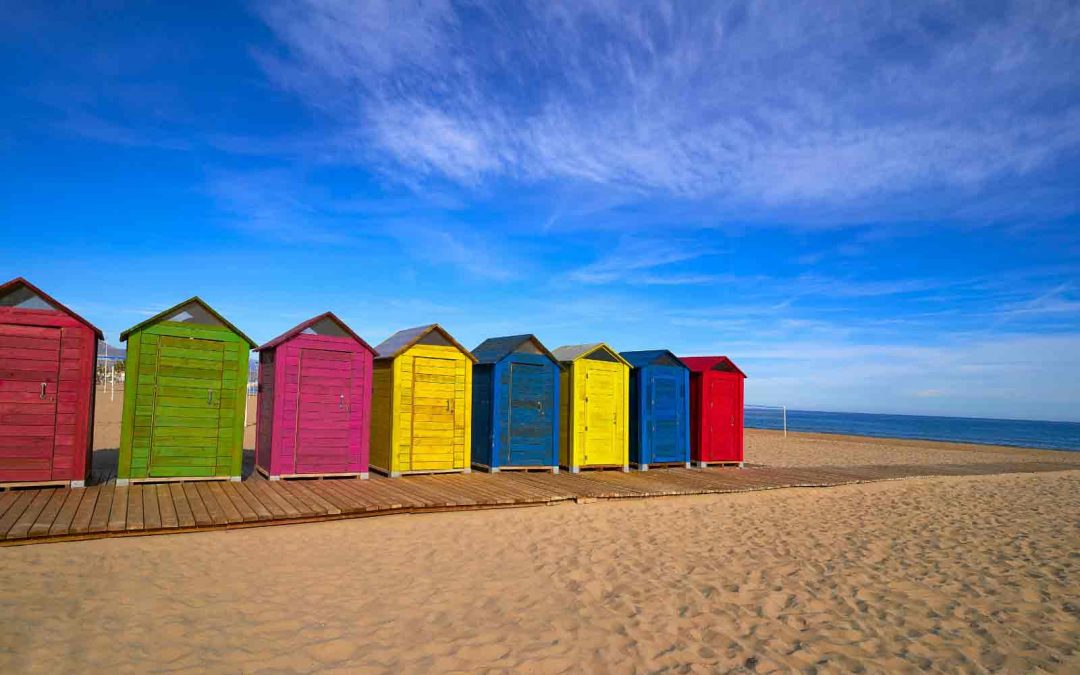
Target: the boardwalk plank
pixel 135 519
pixel 45 519
pixel 80 524
pixel 232 514
pixel 118 511
pixel 198 510
pixel 309 494
pixel 151 511
pixel 247 514
pixel 185 517
pixel 6 500
pixel 166 507
pixel 15 510
pixel 61 525
pixel 260 510
pixel 21 528
pixel 99 521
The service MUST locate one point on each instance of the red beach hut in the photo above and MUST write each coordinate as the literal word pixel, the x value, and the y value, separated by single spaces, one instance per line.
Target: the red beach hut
pixel 314 405
pixel 716 410
pixel 47 355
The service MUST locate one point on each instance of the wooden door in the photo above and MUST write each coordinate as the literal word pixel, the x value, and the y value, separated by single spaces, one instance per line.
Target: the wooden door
pixel 29 379
pixel 665 404
pixel 721 409
pixel 323 411
pixel 434 414
pixel 603 405
pixel 187 415
pixel 531 404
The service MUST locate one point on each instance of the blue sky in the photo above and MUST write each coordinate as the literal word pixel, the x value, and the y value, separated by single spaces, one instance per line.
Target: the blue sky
pixel 870 207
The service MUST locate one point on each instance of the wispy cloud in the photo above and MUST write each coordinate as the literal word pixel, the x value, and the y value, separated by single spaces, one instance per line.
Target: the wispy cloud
pixel 639 259
pixel 754 102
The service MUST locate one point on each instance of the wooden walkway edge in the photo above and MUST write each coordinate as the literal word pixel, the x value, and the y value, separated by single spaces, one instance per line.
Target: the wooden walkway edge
pixel 61 514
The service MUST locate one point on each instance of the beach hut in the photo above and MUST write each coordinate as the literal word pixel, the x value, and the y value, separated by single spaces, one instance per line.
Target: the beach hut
pixel 184 396
pixel 515 405
pixel 47 356
pixel 659 409
pixel 594 407
pixel 314 407
pixel 421 399
pixel 716 410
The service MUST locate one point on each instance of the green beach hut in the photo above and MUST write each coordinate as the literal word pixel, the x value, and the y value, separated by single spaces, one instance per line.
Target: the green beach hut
pixel 184 396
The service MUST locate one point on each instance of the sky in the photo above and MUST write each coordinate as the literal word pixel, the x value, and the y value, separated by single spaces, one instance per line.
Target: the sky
pixel 869 206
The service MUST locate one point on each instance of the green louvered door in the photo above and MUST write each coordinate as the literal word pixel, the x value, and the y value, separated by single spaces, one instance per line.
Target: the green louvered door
pixel 187 409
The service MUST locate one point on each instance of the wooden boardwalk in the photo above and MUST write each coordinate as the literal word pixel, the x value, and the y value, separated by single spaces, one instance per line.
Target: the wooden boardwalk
pixel 58 514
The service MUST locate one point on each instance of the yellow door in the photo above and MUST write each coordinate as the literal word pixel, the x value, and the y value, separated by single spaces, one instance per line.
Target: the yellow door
pixel 433 414
pixel 603 408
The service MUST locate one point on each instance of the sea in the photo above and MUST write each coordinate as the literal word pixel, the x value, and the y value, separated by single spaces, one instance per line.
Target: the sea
pixel 1019 433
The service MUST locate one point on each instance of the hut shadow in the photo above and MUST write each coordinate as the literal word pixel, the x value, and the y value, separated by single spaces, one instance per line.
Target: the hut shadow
pixel 104 462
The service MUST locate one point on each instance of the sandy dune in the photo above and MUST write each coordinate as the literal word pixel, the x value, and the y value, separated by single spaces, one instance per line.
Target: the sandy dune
pixel 937 574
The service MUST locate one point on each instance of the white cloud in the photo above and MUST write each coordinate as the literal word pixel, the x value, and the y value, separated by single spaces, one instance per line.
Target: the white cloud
pixel 768 103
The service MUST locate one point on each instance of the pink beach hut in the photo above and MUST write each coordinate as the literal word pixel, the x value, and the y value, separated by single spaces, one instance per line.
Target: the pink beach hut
pixel 314 405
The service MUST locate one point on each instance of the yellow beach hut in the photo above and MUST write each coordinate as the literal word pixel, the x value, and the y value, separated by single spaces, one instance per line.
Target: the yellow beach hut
pixel 594 395
pixel 421 403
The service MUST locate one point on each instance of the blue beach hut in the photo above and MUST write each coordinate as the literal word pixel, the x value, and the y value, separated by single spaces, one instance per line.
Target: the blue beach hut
pixel 515 405
pixel 659 409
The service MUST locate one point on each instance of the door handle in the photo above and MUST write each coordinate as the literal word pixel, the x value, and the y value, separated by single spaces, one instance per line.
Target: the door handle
pixel 540 406
pixel 341 402
pixel 209 397
pixel 44 385
pixel 613 418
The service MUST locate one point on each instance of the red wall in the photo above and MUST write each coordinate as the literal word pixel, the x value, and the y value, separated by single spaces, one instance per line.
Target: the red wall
pixel 26 339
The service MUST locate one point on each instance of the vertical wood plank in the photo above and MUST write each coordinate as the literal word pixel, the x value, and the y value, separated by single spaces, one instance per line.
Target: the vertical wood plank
pixel 22 524
pixel 118 509
pixel 184 515
pixel 44 521
pixel 151 513
pixel 198 509
pixel 67 513
pixel 166 508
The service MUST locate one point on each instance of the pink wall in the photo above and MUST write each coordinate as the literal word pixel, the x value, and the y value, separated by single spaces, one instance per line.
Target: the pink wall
pixel 331 421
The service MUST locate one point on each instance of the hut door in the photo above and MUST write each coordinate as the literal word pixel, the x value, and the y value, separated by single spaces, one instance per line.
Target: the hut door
pixel 187 418
pixel 665 405
pixel 323 411
pixel 722 408
pixel 529 416
pixel 434 411
pixel 601 414
pixel 29 377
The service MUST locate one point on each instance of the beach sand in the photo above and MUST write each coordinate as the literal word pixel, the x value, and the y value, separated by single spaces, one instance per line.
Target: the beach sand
pixel 939 574
pixel 969 574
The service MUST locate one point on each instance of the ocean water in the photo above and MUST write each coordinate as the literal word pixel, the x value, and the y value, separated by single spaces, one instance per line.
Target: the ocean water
pixel 1020 433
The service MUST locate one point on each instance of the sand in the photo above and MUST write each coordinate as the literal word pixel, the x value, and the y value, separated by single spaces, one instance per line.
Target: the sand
pixel 942 574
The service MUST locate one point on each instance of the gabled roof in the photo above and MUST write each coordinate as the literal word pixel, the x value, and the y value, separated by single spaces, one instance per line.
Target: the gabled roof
pixel 19 281
pixel 402 340
pixel 699 364
pixel 296 330
pixel 496 349
pixel 645 357
pixel 571 353
pixel 196 300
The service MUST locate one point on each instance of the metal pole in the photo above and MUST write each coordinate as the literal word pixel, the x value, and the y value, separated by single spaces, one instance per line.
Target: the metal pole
pixel 785 421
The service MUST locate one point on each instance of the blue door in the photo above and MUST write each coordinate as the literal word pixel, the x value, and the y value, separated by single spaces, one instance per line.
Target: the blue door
pixel 532 404
pixel 665 405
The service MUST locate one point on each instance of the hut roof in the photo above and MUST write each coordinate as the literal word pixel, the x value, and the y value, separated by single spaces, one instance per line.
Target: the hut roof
pixel 312 325
pixel 645 357
pixel 197 303
pixel 498 348
pixel 10 296
pixel 571 353
pixel 402 340
pixel 699 364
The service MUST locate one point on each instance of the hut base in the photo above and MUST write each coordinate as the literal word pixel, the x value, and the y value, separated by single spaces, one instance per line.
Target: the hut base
pixel 361 475
pixel 120 482
pixel 660 465
pixel 706 465
pixel 419 472
pixel 15 485
pixel 496 469
pixel 625 468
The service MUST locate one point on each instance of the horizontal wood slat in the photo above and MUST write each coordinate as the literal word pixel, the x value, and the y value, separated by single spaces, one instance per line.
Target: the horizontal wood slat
pixel 42 515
